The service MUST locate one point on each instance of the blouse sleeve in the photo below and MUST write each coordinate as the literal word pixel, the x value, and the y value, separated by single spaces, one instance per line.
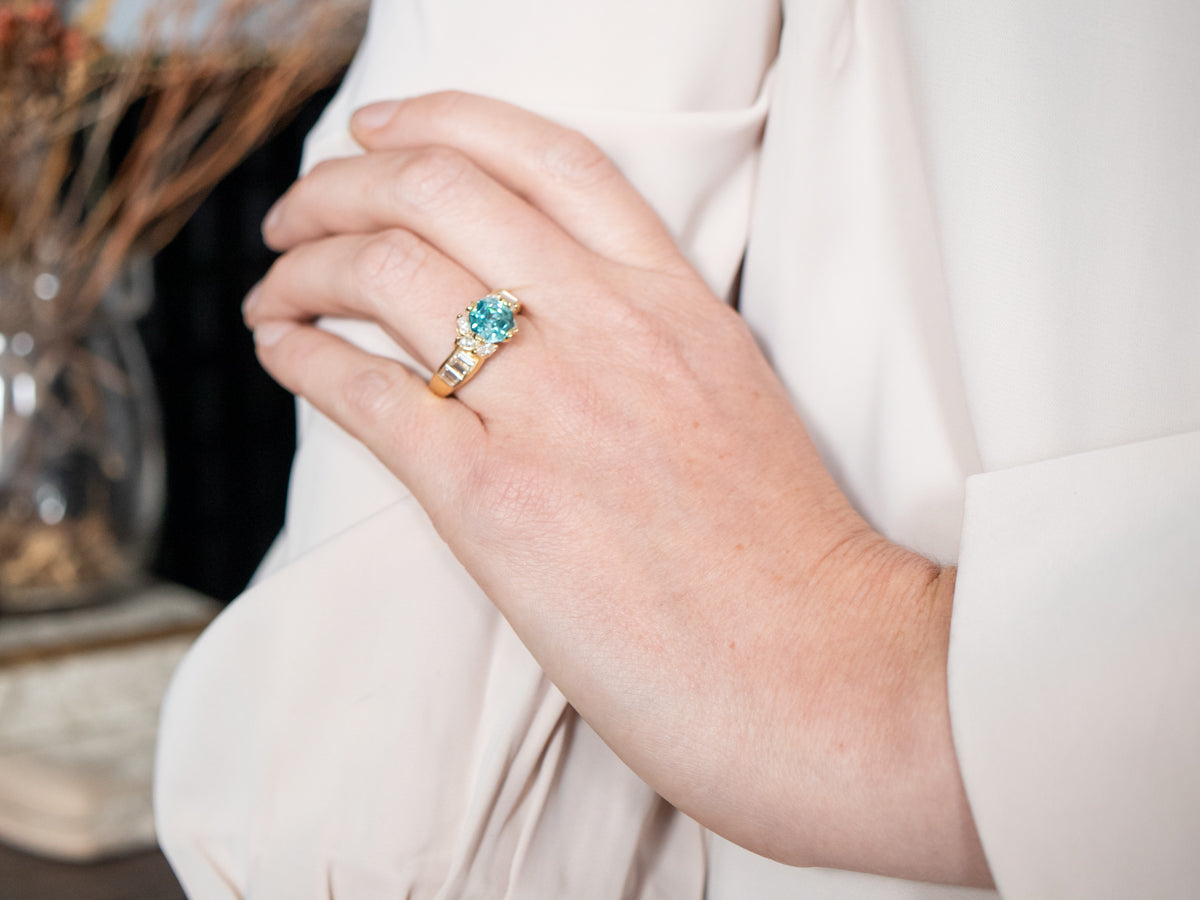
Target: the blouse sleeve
pixel 1063 148
pixel 1075 671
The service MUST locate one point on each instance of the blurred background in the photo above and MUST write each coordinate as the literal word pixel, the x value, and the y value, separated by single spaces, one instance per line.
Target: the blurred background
pixel 144 454
pixel 228 428
pixel 229 437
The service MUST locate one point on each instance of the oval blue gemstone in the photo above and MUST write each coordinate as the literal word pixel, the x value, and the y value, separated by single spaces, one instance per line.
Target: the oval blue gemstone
pixel 491 320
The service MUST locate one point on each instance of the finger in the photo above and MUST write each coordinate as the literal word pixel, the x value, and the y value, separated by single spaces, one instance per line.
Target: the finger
pixel 437 193
pixel 392 277
pixel 426 441
pixel 559 170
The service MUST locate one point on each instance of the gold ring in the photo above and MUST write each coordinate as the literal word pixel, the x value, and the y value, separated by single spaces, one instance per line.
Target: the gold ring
pixel 484 326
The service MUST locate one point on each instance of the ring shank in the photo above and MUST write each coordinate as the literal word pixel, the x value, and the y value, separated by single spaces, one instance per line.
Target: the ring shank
pixel 459 368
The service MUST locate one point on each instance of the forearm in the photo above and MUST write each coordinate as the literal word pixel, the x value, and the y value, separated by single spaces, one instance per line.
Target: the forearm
pixel 807 719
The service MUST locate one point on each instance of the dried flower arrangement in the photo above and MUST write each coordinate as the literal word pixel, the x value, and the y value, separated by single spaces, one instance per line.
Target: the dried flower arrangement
pixel 107 145
pixel 212 79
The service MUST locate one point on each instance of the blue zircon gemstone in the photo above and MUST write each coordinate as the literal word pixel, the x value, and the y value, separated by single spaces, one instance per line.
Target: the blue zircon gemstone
pixel 492 320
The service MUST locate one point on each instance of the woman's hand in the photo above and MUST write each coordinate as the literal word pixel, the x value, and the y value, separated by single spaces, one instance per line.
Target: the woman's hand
pixel 628 482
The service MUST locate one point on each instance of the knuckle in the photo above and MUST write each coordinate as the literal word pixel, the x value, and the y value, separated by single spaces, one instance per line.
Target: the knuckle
pixel 443 108
pixel 370 394
pixel 388 261
pixel 323 168
pixel 721 325
pixel 661 354
pixel 573 158
pixel 310 183
pixel 646 333
pixel 373 408
pixel 319 172
pixel 430 176
pixel 275 284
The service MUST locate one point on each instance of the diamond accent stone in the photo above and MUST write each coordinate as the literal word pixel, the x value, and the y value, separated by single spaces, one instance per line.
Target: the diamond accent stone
pixel 485 349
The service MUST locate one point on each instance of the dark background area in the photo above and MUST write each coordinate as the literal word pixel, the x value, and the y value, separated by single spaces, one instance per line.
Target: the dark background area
pixel 229 429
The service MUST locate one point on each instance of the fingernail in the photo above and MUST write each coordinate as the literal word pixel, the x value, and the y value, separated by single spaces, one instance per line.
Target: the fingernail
pixel 374 116
pixel 271 333
pixel 251 300
pixel 272 218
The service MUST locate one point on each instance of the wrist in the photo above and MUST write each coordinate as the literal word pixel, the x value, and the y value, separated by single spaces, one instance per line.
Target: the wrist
pixel 914 819
pixel 924 766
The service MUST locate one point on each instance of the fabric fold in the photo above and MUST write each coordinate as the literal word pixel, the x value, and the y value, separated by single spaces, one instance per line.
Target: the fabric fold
pixel 465 749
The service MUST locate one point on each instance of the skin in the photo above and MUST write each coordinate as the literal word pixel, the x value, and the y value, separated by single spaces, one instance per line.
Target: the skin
pixel 630 485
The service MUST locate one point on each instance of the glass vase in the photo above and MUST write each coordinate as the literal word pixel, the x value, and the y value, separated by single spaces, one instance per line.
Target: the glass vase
pixel 81 461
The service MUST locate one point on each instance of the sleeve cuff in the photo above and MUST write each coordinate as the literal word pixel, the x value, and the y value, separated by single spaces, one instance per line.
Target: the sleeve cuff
pixel 1075 671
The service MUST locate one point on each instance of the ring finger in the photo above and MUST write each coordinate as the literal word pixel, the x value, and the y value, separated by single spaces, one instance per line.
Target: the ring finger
pixel 392 277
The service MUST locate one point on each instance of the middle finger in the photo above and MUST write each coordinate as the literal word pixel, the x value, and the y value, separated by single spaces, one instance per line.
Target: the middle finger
pixel 437 193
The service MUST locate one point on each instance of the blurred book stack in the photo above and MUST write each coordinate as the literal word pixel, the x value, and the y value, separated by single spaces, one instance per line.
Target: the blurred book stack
pixel 80 693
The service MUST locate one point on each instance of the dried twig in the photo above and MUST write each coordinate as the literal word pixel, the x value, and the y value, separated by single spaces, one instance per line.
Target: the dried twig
pixel 66 204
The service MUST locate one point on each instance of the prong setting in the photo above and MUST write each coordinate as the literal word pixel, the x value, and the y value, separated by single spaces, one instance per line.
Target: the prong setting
pixel 482 327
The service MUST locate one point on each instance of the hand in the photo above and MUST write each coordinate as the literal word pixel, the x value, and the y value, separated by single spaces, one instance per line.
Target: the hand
pixel 628 482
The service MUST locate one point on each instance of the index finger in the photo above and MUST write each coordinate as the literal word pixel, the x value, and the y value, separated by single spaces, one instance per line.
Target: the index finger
pixel 556 169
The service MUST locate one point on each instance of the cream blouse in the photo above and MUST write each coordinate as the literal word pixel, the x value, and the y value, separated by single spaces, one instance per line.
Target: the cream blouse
pixel 971 236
